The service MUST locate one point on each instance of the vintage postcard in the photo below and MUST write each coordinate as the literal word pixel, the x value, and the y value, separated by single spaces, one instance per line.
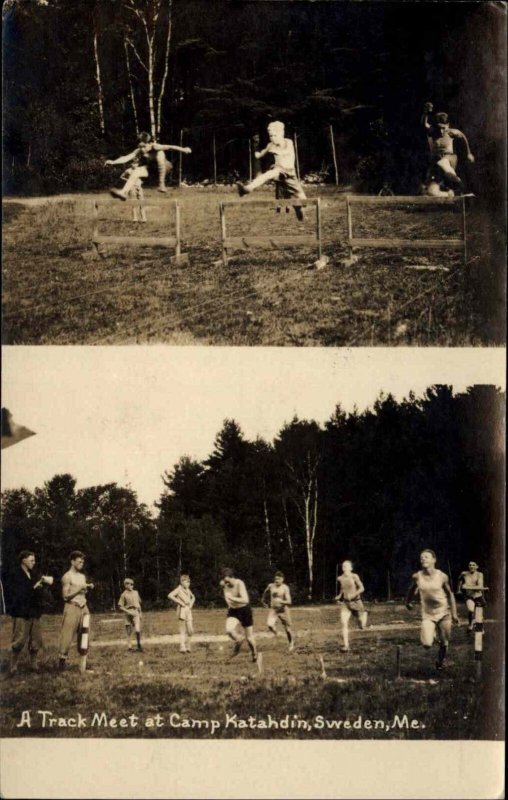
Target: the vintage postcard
pixel 253 399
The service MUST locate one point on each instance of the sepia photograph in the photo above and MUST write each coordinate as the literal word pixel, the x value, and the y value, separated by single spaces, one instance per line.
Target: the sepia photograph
pixel 226 172
pixel 253 410
pixel 185 562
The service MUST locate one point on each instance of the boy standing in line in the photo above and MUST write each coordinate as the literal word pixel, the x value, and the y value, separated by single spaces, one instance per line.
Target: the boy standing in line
pixel 184 599
pixel 130 604
pixel 74 590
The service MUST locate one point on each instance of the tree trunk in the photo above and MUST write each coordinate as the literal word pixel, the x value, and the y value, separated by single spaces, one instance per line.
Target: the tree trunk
pixel 288 534
pixel 166 68
pixel 131 87
pixel 98 74
pixel 151 108
pixel 267 530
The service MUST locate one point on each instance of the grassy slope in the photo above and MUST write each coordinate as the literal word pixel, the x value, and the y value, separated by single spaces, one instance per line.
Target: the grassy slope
pixel 53 293
pixel 208 685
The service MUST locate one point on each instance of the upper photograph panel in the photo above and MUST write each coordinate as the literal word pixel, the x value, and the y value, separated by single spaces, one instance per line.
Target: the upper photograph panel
pixel 214 172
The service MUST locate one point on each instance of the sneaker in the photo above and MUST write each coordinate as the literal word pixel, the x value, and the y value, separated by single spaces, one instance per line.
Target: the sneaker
pixel 440 665
pixel 237 648
pixel 254 657
pixel 299 213
pixel 118 194
pixel 162 189
pixel 291 647
pixel 183 650
pixel 241 189
pixel 344 649
pixel 140 649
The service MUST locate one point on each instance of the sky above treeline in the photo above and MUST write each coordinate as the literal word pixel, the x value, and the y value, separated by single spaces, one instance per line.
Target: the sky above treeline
pixel 106 415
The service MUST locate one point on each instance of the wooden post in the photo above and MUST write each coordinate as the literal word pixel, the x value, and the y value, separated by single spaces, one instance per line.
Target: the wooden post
pixel 463 203
pixel 95 231
pixel 214 152
pixel 180 160
pixel 178 250
pixel 223 234
pixel 398 660
pixel 334 157
pixel 478 628
pixel 318 226
pixel 349 226
pixel 297 160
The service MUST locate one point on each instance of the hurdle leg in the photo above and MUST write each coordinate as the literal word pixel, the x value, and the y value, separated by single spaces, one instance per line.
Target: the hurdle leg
pixel 464 235
pixel 318 228
pixel 478 639
pixel 352 258
pixel 223 234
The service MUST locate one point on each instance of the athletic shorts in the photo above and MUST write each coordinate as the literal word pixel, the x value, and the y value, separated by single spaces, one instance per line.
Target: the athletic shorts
pixel 355 606
pixel 243 615
pixel 287 186
pixel 275 614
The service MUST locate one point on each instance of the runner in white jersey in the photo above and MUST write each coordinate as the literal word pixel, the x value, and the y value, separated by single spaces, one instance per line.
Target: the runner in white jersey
pixel 437 604
pixel 469 583
pixel 239 612
pixel 351 589
pixel 277 598
pixel 184 599
pixel 283 171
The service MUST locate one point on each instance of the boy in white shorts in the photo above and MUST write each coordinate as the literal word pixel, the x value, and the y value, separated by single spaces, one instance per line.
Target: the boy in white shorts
pixel 145 154
pixel 239 612
pixel 351 589
pixel 130 604
pixel 437 604
pixel 283 171
pixel 184 599
pixel 469 583
pixel 279 599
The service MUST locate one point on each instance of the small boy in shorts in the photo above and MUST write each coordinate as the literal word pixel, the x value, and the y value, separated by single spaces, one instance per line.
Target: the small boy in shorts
pixel 130 604
pixel 283 171
pixel 279 600
pixel 351 589
pixel 146 153
pixel 184 599
pixel 469 583
pixel 441 140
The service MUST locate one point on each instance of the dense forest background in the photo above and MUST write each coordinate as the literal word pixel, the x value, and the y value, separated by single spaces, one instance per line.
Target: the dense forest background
pixel 82 78
pixel 375 487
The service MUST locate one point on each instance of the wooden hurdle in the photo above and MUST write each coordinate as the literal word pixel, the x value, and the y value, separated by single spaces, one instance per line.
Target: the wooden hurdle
pixel 458 243
pixel 136 206
pixel 246 242
pixel 478 629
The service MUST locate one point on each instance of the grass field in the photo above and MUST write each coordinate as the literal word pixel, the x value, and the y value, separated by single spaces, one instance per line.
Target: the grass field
pixel 208 685
pixel 54 293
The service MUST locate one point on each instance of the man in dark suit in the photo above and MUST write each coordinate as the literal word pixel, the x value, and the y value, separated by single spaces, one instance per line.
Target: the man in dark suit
pixel 24 604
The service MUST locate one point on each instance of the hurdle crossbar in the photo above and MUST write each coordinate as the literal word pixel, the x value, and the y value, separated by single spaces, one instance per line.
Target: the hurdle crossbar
pixel 455 242
pixel 276 242
pixel 174 241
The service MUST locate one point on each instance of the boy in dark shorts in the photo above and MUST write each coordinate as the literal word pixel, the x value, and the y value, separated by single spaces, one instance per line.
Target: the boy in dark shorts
pixel 441 140
pixel 283 171
pixel 239 612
